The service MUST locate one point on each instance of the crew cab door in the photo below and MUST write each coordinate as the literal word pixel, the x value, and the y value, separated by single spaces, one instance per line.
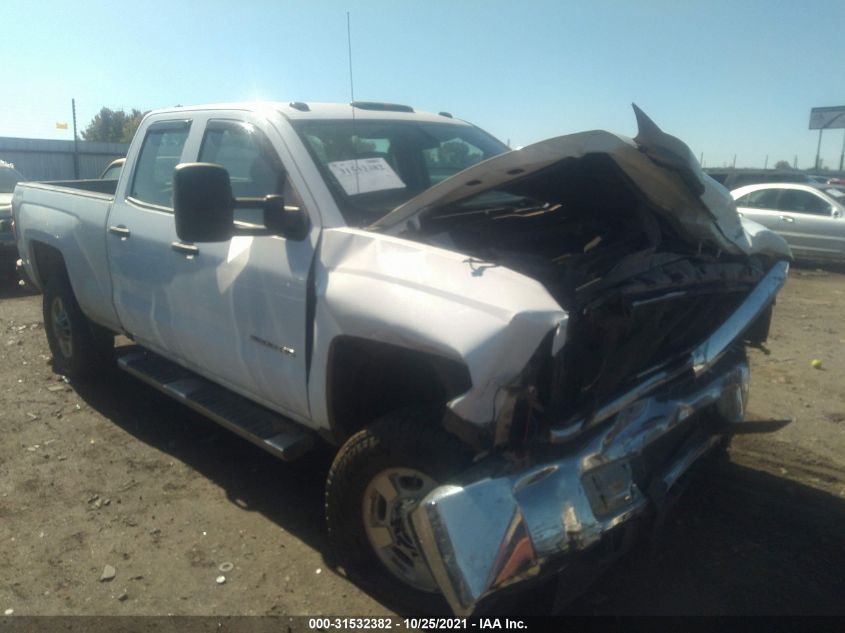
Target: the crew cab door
pixel 140 230
pixel 233 311
pixel 239 306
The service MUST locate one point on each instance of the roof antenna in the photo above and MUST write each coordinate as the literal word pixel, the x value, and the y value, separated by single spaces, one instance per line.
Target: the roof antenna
pixel 352 101
pixel 349 46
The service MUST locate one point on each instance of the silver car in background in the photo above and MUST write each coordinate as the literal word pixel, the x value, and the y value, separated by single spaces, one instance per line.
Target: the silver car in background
pixel 811 218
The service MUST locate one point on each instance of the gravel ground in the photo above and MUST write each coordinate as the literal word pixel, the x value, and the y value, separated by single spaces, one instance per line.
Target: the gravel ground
pixel 112 476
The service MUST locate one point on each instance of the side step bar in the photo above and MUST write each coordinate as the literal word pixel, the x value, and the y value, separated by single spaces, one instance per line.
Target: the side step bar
pixel 267 429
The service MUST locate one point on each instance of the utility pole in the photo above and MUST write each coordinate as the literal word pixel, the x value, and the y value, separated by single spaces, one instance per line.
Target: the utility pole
pixel 819 147
pixel 734 163
pixel 766 163
pixel 75 143
pixel 842 153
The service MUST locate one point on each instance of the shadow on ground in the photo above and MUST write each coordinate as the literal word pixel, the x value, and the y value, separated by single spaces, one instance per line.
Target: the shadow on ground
pixel 10 287
pixel 245 472
pixel 810 267
pixel 740 541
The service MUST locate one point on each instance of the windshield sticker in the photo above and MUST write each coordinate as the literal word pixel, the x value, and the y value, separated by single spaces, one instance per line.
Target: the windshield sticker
pixel 365 175
pixel 836 193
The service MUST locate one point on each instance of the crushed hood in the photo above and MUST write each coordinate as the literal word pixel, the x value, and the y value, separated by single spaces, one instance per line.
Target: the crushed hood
pixel 661 166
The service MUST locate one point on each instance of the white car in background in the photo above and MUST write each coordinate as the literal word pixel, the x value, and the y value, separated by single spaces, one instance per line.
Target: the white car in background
pixel 811 218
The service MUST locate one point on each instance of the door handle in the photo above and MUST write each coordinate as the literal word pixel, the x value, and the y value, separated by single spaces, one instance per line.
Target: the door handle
pixel 120 230
pixel 786 218
pixel 189 250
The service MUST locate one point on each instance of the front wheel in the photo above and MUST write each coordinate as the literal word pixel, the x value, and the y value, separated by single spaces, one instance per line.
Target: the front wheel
pixel 377 479
pixel 80 348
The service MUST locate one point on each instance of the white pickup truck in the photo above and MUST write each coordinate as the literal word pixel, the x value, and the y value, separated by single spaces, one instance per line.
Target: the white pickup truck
pixel 518 353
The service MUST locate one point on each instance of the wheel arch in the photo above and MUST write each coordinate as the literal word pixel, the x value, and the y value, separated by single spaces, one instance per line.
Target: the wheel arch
pixel 47 261
pixel 367 379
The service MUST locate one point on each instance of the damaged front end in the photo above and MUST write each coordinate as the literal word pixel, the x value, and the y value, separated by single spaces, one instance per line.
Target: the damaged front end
pixel 590 475
pixel 661 285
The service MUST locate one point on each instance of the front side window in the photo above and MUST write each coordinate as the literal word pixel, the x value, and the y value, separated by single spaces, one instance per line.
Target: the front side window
pixel 371 167
pixel 160 153
pixel 255 169
pixel 796 201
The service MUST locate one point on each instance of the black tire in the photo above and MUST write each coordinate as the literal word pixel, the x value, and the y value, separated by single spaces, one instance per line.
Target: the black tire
pixel 80 348
pixel 407 439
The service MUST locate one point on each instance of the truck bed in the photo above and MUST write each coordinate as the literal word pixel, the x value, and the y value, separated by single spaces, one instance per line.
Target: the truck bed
pixel 70 216
pixel 94 185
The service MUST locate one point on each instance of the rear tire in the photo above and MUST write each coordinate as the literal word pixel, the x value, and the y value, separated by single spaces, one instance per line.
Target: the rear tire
pixel 80 348
pixel 379 475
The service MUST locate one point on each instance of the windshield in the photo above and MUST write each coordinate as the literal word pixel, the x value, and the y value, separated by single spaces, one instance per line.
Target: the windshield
pixel 372 167
pixel 8 179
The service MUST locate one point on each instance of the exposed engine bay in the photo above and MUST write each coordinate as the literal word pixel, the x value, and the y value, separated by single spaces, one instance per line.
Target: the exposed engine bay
pixel 637 293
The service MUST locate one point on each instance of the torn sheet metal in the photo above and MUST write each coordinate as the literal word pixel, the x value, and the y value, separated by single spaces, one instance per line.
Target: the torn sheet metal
pixel 661 166
pixel 425 298
pixel 535 521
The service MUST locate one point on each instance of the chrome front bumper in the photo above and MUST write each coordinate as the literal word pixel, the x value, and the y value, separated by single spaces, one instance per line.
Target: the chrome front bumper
pixel 492 529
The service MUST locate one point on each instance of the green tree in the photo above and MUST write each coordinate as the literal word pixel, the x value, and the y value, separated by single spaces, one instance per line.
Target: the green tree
pixel 455 153
pixel 130 126
pixel 363 146
pixel 113 126
pixel 783 164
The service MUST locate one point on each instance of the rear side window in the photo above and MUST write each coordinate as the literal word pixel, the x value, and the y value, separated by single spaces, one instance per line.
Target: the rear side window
pixel 760 199
pixel 160 153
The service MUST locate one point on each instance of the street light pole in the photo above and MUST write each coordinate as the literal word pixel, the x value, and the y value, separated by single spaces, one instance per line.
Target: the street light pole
pixel 75 144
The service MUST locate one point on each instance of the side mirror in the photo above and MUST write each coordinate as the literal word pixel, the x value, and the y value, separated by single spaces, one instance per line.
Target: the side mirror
pixel 202 203
pixel 289 222
pixel 836 213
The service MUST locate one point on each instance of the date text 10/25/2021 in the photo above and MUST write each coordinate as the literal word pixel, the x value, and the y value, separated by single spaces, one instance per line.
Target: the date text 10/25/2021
pixel 347 623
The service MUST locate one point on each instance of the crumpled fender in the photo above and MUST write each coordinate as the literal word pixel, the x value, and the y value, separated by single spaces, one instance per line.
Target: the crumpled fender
pixel 420 297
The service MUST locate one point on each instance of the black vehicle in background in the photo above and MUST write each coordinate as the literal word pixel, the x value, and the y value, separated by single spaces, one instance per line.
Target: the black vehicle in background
pixel 9 177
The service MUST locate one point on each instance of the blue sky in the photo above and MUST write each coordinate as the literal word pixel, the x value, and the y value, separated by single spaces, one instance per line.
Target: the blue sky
pixel 727 77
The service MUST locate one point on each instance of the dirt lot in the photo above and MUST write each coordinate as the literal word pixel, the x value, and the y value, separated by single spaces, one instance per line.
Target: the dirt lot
pixel 113 473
